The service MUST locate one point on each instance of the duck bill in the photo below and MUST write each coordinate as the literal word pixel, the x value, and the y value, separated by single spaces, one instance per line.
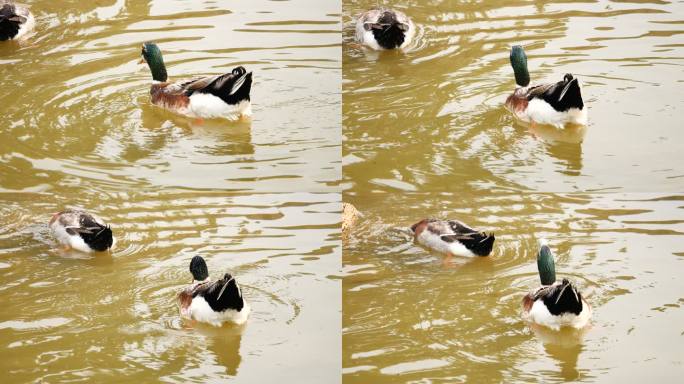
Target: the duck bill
pixel 565 89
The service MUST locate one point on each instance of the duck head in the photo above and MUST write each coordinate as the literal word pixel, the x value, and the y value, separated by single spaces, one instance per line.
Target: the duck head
pixel 519 63
pixel 153 57
pixel 546 264
pixel 198 268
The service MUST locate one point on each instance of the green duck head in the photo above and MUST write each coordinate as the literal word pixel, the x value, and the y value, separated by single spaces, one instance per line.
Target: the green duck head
pixel 546 265
pixel 153 56
pixel 519 64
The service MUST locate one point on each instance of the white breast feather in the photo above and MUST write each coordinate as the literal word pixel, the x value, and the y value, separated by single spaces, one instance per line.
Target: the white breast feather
pixel 539 314
pixel 201 311
pixel 208 106
pixel 436 243
pixel 64 238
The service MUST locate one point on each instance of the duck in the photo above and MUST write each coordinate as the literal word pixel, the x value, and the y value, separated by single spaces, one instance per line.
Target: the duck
pixel 554 304
pixel 16 20
pixel 212 302
pixel 223 96
pixel 452 237
pixel 555 104
pixel 82 231
pixel 384 28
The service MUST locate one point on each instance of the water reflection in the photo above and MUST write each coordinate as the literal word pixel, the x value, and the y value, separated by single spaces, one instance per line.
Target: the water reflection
pixel 565 346
pixel 225 344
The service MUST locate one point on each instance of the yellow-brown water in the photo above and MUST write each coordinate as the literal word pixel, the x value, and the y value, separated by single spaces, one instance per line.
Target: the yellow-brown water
pixel 425 134
pixel 259 199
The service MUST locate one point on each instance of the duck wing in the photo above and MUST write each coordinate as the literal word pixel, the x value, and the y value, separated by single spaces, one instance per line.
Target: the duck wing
pixel 538 91
pixel 231 87
pixel 562 95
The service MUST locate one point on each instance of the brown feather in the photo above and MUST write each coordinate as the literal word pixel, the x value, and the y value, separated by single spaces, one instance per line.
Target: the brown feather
pixel 169 96
pixel 527 302
pixel 419 227
pixel 185 299
pixel 516 102
pixel 54 217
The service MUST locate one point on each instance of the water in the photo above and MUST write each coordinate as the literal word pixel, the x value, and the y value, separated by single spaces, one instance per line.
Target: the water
pixel 259 199
pixel 426 134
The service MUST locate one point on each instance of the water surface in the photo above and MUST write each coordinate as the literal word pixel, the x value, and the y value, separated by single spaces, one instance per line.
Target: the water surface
pixel 258 198
pixel 426 134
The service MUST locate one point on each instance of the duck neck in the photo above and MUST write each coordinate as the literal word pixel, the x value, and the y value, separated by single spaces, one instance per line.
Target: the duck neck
pixel 157 67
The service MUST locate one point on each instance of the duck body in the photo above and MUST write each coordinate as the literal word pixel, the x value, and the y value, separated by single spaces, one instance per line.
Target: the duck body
pixel 452 237
pixel 554 304
pixel 554 104
pixel 215 302
pixel 225 96
pixel 557 305
pixel 16 20
pixel 81 230
pixel 384 28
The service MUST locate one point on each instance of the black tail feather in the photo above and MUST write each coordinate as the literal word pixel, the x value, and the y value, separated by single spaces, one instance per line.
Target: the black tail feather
pixel 223 86
pixel 571 98
pixel 563 298
pixel 9 22
pixel 100 239
pixel 480 244
pixel 223 294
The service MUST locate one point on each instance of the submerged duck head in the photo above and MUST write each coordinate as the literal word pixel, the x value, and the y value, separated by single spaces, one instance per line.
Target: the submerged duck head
pixel 198 268
pixel 153 57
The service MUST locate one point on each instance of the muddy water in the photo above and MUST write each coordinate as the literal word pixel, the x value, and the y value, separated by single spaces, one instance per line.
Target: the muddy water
pixel 425 134
pixel 259 199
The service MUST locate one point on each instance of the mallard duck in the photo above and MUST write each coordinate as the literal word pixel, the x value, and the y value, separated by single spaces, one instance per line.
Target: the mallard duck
pixel 452 237
pixel 81 230
pixel 384 28
pixel 15 20
pixel 554 304
pixel 224 96
pixel 554 104
pixel 212 302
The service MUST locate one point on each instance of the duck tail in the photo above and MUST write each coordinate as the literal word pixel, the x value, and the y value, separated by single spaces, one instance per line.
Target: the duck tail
pixel 564 298
pixel 99 240
pixel 480 244
pixel 224 294
pixel 232 87
pixel 10 22
pixel 571 94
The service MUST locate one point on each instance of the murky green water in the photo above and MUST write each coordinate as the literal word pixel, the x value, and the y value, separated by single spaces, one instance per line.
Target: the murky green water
pixel 425 134
pixel 259 199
